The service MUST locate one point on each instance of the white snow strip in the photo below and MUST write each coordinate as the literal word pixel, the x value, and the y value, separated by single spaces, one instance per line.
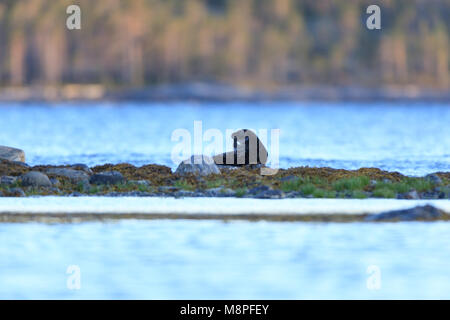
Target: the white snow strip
pixel 221 206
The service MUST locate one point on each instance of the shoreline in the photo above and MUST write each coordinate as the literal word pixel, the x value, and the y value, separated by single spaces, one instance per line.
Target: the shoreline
pixel 17 179
pixel 206 92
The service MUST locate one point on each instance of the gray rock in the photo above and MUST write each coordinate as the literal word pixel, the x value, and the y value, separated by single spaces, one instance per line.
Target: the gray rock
pixel 167 189
pixel 16 192
pixel 433 178
pixel 265 192
pixel 8 180
pixel 55 182
pixel 140 182
pixel 421 213
pixel 107 177
pixel 35 179
pixel 82 167
pixel 75 176
pixel 183 193
pixel 289 178
pixel 12 154
pixel 220 192
pixel 75 194
pixel 409 195
pixel 198 165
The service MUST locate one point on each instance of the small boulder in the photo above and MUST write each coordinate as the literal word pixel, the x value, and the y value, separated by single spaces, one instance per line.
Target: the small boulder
pixel 12 154
pixel 433 178
pixel 7 180
pixel 198 165
pixel 82 167
pixel 107 177
pixel 419 213
pixel 265 192
pixel 16 192
pixel 35 179
pixel 74 175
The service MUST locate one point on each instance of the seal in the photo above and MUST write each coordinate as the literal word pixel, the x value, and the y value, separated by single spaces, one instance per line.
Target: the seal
pixel 247 149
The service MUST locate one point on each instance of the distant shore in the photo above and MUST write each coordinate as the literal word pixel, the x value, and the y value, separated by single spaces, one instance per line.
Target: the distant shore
pixel 221 93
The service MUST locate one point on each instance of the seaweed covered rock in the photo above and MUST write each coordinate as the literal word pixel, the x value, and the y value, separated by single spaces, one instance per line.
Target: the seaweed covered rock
pixel 419 213
pixel 74 175
pixel 13 168
pixel 197 165
pixel 7 180
pixel 35 179
pixel 107 177
pixel 12 154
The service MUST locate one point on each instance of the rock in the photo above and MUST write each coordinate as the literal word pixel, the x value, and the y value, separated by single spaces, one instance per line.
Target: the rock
pixel 13 168
pixel 144 183
pixel 35 179
pixel 82 167
pixel 409 195
pixel 220 192
pixel 75 176
pixel 107 177
pixel 183 193
pixel 198 165
pixel 75 194
pixel 290 178
pixel 421 213
pixel 16 192
pixel 7 180
pixel 265 192
pixel 167 189
pixel 433 178
pixel 55 182
pixel 12 154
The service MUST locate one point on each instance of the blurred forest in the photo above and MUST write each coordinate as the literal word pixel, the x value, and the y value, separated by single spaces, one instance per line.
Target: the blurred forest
pixel 242 42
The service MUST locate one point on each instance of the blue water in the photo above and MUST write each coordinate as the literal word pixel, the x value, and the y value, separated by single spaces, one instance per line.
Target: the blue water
pixel 413 139
pixel 216 260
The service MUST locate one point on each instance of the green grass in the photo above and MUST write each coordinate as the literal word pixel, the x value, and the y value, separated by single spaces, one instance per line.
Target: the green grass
pixel 240 192
pixel 357 194
pixel 351 184
pixel 292 185
pixel 384 193
pixel 308 189
pixel 183 184
pixel 215 183
pixel 420 184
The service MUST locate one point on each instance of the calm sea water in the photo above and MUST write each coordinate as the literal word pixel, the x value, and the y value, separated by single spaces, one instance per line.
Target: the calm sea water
pixel 217 260
pixel 212 259
pixel 413 139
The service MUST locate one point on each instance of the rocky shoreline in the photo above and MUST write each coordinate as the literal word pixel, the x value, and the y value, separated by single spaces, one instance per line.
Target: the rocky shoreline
pixel 18 179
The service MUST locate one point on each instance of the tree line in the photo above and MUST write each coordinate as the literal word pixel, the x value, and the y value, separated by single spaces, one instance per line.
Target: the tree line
pixel 244 42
